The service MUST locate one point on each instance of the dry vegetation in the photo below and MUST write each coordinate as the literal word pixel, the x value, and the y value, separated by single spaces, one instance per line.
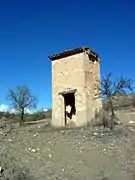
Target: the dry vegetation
pixel 40 152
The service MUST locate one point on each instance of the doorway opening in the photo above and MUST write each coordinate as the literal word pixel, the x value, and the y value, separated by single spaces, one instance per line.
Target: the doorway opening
pixel 69 105
pixel 70 108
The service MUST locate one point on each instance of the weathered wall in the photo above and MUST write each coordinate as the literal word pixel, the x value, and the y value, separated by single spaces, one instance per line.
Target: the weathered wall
pixel 75 72
pixel 92 77
pixel 68 73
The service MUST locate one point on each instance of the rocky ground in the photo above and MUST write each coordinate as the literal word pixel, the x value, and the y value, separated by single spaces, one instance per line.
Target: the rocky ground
pixel 91 153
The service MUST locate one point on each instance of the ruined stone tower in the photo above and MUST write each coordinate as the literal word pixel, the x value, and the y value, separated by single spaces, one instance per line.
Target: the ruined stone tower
pixel 74 79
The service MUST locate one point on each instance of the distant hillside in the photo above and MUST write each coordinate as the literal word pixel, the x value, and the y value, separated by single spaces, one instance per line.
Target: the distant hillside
pixel 6 116
pixel 125 101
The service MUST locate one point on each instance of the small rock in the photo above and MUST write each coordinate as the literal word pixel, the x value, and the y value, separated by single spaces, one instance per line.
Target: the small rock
pixel 33 150
pixel 131 122
pixel 50 155
pixel 1 170
pixel 35 134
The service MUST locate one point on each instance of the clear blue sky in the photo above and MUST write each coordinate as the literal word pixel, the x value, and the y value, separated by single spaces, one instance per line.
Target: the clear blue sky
pixel 32 30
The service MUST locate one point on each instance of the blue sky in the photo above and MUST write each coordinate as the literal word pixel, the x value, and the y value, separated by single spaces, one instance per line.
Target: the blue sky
pixel 32 30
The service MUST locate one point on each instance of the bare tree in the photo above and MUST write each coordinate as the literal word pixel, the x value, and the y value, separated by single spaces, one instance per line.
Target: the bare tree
pixel 112 90
pixel 22 100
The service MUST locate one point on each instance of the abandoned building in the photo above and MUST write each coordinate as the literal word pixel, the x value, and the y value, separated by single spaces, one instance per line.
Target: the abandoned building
pixel 75 77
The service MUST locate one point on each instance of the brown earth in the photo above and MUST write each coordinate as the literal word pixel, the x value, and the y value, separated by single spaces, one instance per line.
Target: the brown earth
pixel 91 153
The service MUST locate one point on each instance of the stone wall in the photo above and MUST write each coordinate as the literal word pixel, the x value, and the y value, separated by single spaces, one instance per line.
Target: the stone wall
pixel 75 72
pixel 68 73
pixel 92 77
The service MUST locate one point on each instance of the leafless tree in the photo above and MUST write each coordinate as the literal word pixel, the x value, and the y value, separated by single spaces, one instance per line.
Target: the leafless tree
pixel 22 100
pixel 112 90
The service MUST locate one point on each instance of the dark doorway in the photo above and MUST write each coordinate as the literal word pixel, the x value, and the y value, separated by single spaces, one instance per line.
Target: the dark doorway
pixel 69 100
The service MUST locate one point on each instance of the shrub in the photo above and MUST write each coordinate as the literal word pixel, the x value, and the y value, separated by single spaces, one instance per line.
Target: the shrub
pixel 103 118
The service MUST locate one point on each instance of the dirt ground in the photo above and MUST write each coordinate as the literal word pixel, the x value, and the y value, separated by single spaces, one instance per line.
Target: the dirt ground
pixel 90 153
